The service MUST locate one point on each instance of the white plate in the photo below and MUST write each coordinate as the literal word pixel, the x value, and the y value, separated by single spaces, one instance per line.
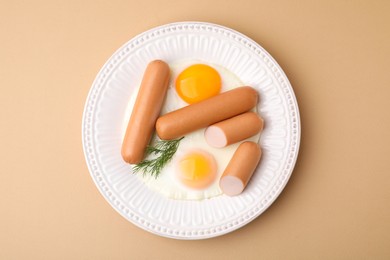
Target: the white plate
pixel 104 115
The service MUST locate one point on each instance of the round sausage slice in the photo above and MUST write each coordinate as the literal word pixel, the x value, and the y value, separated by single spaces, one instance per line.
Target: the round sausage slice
pixel 146 109
pixel 240 168
pixel 233 130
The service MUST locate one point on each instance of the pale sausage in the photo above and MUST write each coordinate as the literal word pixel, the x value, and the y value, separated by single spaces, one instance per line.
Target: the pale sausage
pixel 146 109
pixel 207 112
pixel 240 168
pixel 233 130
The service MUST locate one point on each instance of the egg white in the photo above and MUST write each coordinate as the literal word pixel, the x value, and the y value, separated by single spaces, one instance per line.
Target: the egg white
pixel 166 183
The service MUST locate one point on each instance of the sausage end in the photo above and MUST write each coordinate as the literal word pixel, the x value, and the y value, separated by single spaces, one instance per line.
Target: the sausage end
pixel 231 185
pixel 161 130
pixel 130 156
pixel 159 63
pixel 215 137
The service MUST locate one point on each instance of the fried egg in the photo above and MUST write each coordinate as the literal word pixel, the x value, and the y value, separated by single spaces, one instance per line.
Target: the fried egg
pixel 195 169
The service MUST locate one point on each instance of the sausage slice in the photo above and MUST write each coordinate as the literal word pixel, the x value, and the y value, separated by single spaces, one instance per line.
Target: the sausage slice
pixel 233 130
pixel 240 168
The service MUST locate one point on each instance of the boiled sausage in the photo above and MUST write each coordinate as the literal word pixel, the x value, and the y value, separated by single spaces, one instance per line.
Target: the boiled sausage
pixel 207 112
pixel 146 109
pixel 233 130
pixel 240 168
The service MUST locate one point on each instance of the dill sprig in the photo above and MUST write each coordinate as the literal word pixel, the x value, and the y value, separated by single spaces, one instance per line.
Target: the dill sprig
pixel 163 151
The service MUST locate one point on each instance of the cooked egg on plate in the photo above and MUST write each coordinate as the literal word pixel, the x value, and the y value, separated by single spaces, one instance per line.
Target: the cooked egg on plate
pixel 195 169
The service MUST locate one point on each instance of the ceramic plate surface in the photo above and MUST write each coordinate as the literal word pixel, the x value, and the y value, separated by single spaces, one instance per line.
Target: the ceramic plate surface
pixel 105 115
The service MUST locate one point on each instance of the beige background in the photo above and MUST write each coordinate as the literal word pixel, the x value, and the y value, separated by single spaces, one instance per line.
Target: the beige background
pixel 337 56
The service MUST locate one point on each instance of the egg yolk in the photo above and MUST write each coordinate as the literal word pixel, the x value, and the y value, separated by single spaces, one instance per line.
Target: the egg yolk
pixel 198 82
pixel 197 170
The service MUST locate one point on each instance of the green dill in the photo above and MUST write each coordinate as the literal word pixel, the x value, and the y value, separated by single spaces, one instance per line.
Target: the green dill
pixel 163 152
